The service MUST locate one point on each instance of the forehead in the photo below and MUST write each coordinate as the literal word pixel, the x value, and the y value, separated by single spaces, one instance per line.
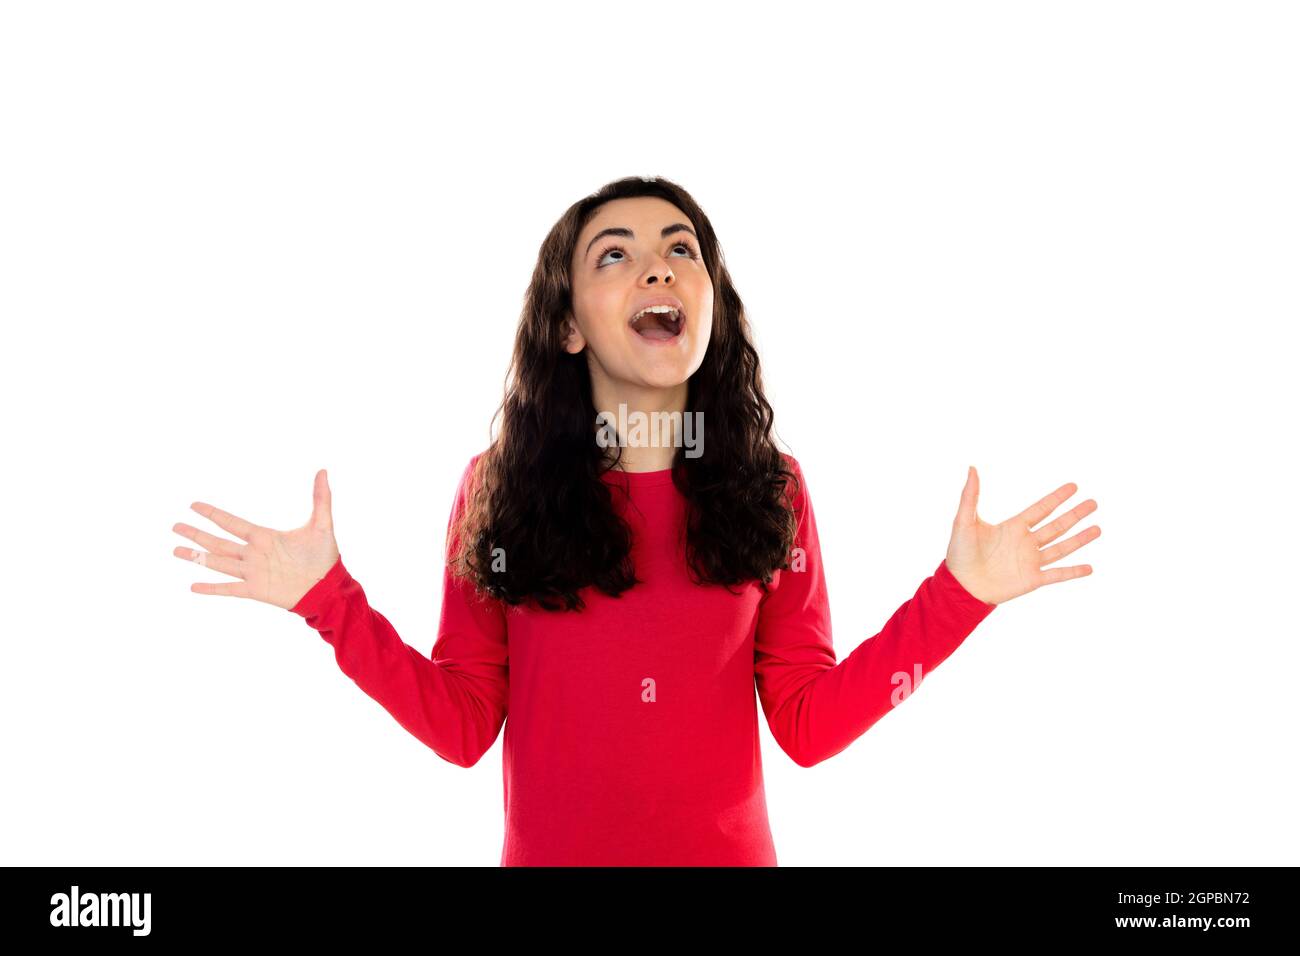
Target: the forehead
pixel 644 215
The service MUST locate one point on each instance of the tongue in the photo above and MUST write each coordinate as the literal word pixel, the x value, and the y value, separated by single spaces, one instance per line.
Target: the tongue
pixel 657 325
pixel 655 332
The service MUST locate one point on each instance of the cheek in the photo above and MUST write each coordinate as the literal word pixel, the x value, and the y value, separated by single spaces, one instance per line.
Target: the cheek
pixel 603 330
pixel 594 308
pixel 704 327
pixel 605 316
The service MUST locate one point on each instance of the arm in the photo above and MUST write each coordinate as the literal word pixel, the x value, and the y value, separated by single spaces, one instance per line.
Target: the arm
pixel 455 700
pixel 816 707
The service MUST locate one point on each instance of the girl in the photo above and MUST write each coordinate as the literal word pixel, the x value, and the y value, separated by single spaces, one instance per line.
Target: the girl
pixel 619 590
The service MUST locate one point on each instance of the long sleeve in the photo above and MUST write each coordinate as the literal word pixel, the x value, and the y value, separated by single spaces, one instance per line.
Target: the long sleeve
pixel 455 700
pixel 816 707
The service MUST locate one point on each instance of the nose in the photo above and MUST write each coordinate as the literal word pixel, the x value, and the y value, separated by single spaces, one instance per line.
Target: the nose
pixel 659 274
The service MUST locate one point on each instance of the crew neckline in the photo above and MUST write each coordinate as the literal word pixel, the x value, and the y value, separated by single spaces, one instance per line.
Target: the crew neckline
pixel 644 478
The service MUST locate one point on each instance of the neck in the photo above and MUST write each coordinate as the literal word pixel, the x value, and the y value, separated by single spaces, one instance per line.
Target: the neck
pixel 643 423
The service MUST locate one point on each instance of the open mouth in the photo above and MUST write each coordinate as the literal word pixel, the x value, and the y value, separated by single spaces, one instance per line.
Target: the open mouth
pixel 658 323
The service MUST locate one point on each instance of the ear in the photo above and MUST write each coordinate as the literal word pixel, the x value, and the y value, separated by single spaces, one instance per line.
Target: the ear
pixel 573 339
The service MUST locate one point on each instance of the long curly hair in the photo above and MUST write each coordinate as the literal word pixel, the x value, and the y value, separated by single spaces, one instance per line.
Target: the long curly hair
pixel 536 493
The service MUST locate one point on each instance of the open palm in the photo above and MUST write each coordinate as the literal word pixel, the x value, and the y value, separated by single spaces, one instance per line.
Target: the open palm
pixel 277 567
pixel 998 562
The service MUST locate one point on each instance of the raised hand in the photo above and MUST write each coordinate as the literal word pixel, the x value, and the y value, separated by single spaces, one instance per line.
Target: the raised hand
pixel 277 567
pixel 998 562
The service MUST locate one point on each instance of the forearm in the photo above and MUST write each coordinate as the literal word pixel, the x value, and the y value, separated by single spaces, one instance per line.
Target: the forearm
pixel 836 705
pixel 443 708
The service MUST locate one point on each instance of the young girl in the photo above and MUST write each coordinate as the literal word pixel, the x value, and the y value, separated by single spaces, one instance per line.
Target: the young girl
pixel 619 591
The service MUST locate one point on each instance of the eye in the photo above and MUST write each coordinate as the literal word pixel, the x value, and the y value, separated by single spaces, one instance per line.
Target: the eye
pixel 680 244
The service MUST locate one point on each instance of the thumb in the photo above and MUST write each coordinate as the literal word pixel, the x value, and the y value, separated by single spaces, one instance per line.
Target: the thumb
pixel 321 515
pixel 969 497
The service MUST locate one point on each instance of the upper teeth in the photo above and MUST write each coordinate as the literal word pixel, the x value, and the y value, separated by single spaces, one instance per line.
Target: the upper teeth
pixel 654 308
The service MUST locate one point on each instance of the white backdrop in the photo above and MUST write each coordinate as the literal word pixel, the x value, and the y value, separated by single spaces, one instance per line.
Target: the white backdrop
pixel 1058 242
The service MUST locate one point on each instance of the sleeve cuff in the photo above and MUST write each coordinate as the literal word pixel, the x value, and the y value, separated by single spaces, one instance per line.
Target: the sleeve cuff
pixel 954 589
pixel 322 590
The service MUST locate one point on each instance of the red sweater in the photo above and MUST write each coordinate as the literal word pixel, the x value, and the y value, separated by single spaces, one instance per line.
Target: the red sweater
pixel 632 736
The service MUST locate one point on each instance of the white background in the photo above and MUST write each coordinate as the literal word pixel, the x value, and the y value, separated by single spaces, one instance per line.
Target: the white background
pixel 245 241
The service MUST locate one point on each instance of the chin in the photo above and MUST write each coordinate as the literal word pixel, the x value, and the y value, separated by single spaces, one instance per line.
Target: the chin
pixel 661 379
pixel 666 372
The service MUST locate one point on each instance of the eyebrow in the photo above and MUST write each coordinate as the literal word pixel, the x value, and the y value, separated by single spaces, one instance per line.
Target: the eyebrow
pixel 627 233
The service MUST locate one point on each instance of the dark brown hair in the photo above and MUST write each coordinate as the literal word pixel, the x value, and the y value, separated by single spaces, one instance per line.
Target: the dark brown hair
pixel 536 492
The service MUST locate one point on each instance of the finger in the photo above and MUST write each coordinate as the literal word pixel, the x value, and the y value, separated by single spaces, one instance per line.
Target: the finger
pixel 1058 551
pixel 232 566
pixel 1046 505
pixel 210 541
pixel 1053 575
pixel 225 520
pixel 230 588
pixel 320 505
pixel 1064 523
pixel 969 497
